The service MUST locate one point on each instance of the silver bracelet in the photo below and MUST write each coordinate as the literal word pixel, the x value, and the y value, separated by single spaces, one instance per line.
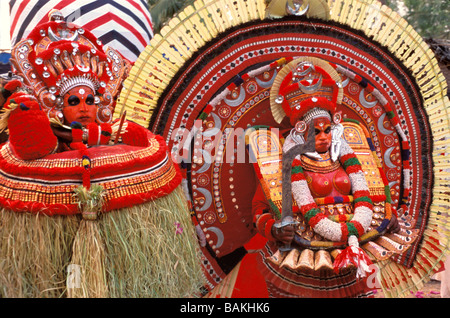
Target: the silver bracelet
pixel 85 135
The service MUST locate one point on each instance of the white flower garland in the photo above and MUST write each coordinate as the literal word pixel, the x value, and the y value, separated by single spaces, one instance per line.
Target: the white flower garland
pixel 327 228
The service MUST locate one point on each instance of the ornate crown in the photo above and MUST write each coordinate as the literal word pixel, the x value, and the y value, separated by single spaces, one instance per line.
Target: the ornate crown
pixel 57 56
pixel 305 84
pixel 315 112
pixel 71 82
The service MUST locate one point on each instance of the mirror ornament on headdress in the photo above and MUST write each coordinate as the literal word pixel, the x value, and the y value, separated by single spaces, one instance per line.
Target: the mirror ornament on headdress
pixel 303 84
pixel 305 89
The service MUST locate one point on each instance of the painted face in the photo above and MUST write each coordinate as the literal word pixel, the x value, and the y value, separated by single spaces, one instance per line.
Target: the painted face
pixel 79 106
pixel 322 127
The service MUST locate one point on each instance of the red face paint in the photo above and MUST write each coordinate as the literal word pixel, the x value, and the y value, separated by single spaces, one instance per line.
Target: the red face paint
pixel 322 128
pixel 79 106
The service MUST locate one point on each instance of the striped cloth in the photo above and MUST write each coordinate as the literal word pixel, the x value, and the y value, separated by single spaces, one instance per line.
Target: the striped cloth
pixel 124 25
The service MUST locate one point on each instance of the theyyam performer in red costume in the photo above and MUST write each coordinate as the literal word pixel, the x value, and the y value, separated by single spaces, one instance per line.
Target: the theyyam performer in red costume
pixel 91 206
pixel 333 202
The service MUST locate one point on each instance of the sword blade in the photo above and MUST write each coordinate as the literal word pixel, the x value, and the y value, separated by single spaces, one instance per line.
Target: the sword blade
pixel 288 158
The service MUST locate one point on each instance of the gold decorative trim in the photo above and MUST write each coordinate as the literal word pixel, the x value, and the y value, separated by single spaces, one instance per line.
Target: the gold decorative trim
pixel 321 166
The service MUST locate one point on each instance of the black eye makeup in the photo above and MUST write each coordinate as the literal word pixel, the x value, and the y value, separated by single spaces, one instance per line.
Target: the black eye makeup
pixel 90 99
pixel 326 131
pixel 73 100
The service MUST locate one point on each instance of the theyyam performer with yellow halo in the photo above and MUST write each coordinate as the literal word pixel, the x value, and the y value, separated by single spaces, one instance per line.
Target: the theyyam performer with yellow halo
pixel 334 199
pixel 91 206
pixel 234 88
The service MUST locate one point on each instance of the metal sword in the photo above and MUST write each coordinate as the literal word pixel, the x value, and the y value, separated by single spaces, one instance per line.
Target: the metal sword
pixel 287 216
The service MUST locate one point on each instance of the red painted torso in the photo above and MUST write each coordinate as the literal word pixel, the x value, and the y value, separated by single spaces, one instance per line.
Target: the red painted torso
pixel 326 178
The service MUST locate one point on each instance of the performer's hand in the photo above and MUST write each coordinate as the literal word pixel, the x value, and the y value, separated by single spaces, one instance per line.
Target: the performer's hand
pixel 393 226
pixel 284 234
pixel 62 133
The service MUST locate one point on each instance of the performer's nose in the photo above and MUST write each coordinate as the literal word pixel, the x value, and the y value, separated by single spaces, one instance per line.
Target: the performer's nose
pixel 84 106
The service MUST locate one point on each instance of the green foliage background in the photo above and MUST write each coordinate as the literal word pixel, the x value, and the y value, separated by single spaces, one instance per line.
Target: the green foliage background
pixel 162 10
pixel 430 18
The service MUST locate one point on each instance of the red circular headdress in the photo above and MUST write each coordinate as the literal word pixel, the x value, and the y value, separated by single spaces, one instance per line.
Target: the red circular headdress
pixel 302 85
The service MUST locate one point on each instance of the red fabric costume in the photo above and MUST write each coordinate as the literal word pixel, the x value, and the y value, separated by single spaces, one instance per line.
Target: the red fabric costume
pixel 285 283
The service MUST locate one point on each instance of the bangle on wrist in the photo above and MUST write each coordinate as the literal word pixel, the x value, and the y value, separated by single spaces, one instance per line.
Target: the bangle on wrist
pixel 85 135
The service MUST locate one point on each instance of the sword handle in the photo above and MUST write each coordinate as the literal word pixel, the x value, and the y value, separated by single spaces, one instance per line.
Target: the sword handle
pixel 286 221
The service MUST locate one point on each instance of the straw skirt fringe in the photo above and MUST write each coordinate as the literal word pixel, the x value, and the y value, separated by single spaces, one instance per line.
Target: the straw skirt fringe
pixel 149 250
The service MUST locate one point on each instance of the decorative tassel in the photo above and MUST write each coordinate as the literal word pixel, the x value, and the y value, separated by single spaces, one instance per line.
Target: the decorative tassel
pixel 353 255
pixel 89 253
pixel 91 200
pixel 89 247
